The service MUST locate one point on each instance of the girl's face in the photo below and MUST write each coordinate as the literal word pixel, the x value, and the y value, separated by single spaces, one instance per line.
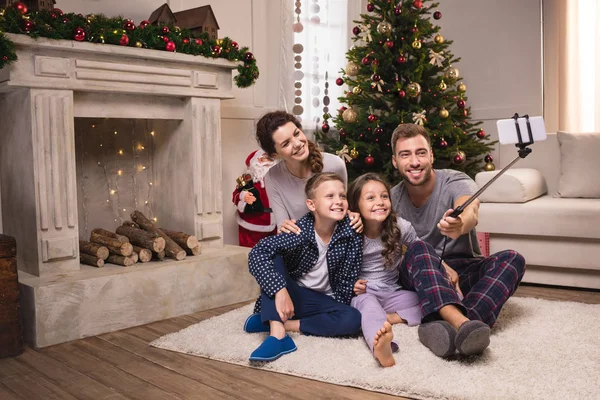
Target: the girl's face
pixel 374 203
pixel 290 143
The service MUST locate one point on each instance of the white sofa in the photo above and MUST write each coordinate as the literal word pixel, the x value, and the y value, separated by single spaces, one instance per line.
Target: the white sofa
pixel 559 237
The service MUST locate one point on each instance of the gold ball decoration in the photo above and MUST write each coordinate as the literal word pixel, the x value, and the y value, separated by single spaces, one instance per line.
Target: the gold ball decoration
pixel 444 113
pixel 413 89
pixel 349 116
pixel 354 153
pixel 356 90
pixel 138 44
pixel 442 86
pixel 439 39
pixel 1 12
pixel 489 167
pixel 452 73
pixel 462 87
pixel 416 44
pixel 385 28
pixel 178 29
pixel 352 69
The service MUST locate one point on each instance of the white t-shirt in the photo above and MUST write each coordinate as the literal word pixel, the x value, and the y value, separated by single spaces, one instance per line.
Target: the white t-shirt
pixel 318 277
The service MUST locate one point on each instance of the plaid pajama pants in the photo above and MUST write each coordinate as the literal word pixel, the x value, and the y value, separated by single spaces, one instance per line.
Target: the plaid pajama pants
pixel 486 282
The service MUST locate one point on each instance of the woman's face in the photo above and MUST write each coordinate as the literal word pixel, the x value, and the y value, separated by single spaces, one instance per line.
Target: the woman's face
pixel 290 143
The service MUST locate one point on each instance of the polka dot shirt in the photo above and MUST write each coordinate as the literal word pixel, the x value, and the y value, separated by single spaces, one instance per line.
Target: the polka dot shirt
pixel 300 253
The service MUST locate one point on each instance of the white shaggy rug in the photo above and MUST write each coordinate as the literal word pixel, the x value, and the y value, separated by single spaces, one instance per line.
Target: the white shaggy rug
pixel 539 349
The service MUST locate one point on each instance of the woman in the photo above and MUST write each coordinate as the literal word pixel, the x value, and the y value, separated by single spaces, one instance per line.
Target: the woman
pixel 280 135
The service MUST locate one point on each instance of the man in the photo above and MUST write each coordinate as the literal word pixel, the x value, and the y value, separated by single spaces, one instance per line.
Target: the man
pixel 426 197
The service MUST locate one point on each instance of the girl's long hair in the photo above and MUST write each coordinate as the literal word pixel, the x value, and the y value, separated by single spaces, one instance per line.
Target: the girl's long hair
pixel 390 235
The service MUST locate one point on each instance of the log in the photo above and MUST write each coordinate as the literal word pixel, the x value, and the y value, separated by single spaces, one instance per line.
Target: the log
pixel 120 260
pixel 130 224
pixel 160 256
pixel 104 232
pixel 182 239
pixel 135 257
pixel 114 245
pixel 93 249
pixel 172 249
pixel 88 259
pixel 142 238
pixel 144 254
pixel 195 251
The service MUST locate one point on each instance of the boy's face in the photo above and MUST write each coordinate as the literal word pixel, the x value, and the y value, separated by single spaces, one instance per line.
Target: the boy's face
pixel 329 201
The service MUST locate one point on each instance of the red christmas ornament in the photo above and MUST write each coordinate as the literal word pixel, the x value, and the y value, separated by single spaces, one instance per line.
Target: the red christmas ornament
pixel 342 134
pixel 372 118
pixel 144 24
pixel 53 15
pixel 57 11
pixel 4 58
pixel 418 4
pixel 21 7
pixel 375 77
pixel 342 109
pixel 186 41
pixel 198 42
pixel 79 34
pixel 414 29
pixel 461 104
pixel 459 158
pixel 370 7
pixel 397 10
pixel 369 161
pixel 248 57
pixel 402 94
pixel 339 81
pixel 488 158
pixel 375 63
pixel 356 30
pixel 389 44
pixel 170 46
pixel 65 20
pixel 164 29
pixel 464 113
pixel 401 59
pixel 437 15
pixel 235 45
pixel 166 39
pixel 481 134
pixel 443 144
pixel 27 25
pixel 124 40
pixel 378 130
pixel 366 60
pixel 128 25
pixel 216 49
pixel 325 127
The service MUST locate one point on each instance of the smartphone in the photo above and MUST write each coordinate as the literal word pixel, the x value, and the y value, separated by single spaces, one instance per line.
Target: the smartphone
pixel 507 130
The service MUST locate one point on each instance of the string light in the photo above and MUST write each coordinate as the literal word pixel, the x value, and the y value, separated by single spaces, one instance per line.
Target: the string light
pixel 121 152
pixel 112 192
pixel 152 133
pixel 120 172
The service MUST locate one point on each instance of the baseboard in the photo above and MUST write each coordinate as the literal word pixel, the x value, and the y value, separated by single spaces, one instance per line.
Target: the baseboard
pixel 564 277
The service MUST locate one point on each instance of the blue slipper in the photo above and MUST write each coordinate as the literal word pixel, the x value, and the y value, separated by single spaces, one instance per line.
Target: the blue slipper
pixel 254 324
pixel 273 348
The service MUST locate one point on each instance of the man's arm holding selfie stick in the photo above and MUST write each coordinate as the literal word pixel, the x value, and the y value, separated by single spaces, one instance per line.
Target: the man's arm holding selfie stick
pixel 453 227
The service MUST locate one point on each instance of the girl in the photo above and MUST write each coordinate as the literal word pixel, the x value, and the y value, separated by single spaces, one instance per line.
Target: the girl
pixel 280 135
pixel 380 298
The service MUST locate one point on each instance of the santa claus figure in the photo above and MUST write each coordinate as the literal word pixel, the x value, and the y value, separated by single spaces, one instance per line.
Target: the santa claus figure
pixel 254 216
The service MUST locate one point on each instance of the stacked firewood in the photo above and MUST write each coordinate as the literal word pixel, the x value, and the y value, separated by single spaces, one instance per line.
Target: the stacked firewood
pixel 137 240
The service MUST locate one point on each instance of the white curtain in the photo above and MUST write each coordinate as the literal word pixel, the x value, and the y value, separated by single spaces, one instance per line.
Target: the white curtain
pixel 579 66
pixel 315 37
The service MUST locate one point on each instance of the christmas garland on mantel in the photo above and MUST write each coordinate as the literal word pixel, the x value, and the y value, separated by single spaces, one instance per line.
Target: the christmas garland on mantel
pixel 97 28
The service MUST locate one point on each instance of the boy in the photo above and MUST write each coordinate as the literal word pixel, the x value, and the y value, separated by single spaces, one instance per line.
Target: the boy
pixel 307 280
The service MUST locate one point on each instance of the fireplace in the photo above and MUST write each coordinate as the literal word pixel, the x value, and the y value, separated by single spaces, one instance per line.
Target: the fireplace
pixel 90 133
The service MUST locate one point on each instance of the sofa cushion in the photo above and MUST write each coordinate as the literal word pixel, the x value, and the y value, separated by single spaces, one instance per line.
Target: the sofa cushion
pixel 516 185
pixel 579 165
pixel 545 216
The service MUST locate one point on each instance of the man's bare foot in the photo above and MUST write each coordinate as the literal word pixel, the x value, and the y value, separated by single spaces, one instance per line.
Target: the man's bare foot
pixel 394 319
pixel 382 345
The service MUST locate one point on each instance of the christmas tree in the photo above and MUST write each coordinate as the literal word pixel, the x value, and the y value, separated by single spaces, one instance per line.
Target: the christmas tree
pixel 400 70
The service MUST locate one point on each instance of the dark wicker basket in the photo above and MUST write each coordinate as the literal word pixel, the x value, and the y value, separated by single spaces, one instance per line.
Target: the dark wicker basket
pixel 11 338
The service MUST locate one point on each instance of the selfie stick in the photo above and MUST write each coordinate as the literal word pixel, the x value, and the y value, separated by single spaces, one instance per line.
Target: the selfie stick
pixel 524 151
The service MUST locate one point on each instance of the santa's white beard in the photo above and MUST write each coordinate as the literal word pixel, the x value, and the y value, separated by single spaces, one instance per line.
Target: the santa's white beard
pixel 258 171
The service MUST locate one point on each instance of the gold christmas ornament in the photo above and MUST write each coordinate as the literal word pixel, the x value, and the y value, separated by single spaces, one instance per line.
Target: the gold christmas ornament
pixel 138 44
pixel 489 167
pixel 439 39
pixel 444 113
pixel 354 153
pixel 1 12
pixel 416 44
pixel 413 89
pixel 462 87
pixel 356 90
pixel 452 73
pixel 352 69
pixel 442 86
pixel 385 28
pixel 349 116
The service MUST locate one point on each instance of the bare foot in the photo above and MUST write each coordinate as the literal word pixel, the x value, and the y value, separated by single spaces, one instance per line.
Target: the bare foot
pixel 382 345
pixel 394 319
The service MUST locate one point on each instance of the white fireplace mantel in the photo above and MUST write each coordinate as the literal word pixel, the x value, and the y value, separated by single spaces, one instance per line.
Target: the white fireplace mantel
pixel 55 81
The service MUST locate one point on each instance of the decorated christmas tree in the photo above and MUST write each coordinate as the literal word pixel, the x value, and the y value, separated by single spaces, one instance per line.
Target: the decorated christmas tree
pixel 400 70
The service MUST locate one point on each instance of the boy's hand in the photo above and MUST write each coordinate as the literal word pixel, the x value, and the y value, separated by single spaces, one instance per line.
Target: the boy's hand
pixel 453 278
pixel 289 226
pixel 355 221
pixel 360 286
pixel 284 305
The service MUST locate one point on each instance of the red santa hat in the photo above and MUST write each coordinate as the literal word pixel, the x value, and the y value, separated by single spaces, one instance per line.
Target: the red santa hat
pixel 253 157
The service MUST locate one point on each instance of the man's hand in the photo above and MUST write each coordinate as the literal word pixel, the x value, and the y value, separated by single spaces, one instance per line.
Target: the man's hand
pixel 360 286
pixel 453 278
pixel 355 221
pixel 284 305
pixel 249 198
pixel 449 226
pixel 289 226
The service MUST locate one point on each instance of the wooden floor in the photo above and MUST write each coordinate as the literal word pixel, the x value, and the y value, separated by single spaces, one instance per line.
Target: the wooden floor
pixel 121 365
